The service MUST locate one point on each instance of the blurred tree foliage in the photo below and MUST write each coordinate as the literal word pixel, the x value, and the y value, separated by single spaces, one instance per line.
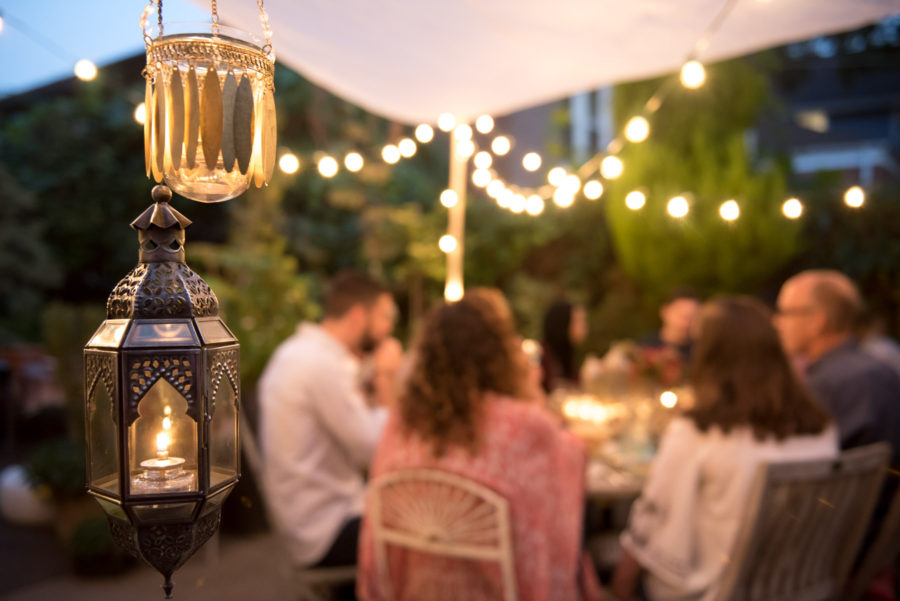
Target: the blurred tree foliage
pixel 698 148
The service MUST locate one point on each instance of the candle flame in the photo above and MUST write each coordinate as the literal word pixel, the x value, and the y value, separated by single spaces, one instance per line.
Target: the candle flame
pixel 167 423
pixel 167 411
pixel 162 444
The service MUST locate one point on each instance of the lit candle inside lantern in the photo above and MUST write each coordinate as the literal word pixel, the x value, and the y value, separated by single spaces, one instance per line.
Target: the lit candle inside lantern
pixel 164 474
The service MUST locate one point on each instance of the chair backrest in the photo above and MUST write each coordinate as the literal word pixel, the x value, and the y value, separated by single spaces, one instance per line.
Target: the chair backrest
pixel 804 523
pixel 881 554
pixel 440 513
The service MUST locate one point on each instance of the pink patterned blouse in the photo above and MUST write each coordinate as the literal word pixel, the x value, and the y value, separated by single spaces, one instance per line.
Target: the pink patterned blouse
pixel 536 466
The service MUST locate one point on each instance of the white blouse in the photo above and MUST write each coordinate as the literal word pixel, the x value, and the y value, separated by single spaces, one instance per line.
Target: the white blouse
pixel 684 525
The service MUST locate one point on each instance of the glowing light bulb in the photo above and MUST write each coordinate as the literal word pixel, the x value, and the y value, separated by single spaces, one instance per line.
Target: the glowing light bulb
pixel 463 132
pixel 85 70
pixel 406 147
pixel 484 124
pixel 327 166
pixel 501 145
pixel 447 243
pixel 465 148
pixel 481 177
pixel 140 113
pixel 692 74
pixel 505 198
pixel 668 399
pixel 677 207
pixel 289 163
pixel 563 197
pixel 635 200
pixel 531 161
pixel 611 167
pixel 534 205
pixel 637 129
pixel 483 160
pixel 353 161
pixel 571 183
pixel 449 198
pixel 424 133
pixel 854 197
pixel 446 122
pixel 518 203
pixel 556 176
pixel 593 190
pixel 730 210
pixel 792 208
pixel 390 154
pixel 495 187
pixel 453 291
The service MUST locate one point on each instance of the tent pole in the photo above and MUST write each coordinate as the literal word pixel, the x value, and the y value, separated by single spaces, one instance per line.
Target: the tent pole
pixel 456 223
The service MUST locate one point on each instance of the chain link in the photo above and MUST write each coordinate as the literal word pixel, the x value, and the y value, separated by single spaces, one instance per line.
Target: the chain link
pixel 264 19
pixel 215 16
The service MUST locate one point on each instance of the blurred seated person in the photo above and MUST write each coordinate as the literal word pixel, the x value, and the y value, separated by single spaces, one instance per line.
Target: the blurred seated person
pixel 462 412
pixel 749 409
pixel 677 314
pixel 565 328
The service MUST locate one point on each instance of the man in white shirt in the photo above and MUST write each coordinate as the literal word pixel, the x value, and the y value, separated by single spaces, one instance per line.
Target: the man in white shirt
pixel 318 432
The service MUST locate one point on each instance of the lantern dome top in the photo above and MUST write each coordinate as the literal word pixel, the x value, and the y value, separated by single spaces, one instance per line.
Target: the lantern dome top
pixel 160 213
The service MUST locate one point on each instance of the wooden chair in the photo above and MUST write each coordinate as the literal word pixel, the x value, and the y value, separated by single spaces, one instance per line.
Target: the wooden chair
pixel 310 584
pixel 882 553
pixel 805 522
pixel 440 513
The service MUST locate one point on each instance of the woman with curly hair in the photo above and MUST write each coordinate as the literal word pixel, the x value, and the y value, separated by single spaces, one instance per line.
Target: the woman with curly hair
pixel 462 412
pixel 749 408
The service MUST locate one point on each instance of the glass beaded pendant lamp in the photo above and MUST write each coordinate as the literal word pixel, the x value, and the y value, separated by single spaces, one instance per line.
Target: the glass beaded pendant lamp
pixel 210 126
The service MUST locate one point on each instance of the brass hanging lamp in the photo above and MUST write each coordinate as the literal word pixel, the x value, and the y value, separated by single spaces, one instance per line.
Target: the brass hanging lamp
pixel 210 125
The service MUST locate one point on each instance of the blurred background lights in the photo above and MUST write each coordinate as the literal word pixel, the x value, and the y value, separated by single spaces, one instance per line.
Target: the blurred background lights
pixel 505 198
pixel 463 132
pixel 593 190
pixel 449 198
pixel 85 70
pixel 353 161
pixel 531 161
pixel 390 154
pixel 140 113
pixel 792 208
pixel 481 177
pixel 637 129
pixel 635 200
pixel 668 399
pixel 406 147
pixel 484 124
pixel 424 133
pixel 517 203
pixel 446 122
pixel 447 243
pixel 327 166
pixel 611 167
pixel 692 74
pixel 501 145
pixel 854 197
pixel 483 160
pixel 572 183
pixel 730 210
pixel 534 205
pixel 465 148
pixel 556 176
pixel 677 207
pixel 494 188
pixel 563 197
pixel 289 163
pixel 453 290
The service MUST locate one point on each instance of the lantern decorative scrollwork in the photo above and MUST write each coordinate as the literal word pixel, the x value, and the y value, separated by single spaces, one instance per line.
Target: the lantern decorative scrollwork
pixel 210 125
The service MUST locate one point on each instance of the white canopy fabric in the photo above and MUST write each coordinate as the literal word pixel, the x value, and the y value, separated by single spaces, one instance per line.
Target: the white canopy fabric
pixel 411 60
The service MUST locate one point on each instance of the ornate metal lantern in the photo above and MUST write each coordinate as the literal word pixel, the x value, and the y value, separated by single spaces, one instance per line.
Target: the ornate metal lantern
pixel 210 125
pixel 162 396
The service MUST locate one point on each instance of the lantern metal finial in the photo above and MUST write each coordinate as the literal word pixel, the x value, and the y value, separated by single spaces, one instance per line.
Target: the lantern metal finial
pixel 162 390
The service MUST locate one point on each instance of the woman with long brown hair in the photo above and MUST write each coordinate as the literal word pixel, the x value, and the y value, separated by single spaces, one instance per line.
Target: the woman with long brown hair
pixel 463 412
pixel 749 408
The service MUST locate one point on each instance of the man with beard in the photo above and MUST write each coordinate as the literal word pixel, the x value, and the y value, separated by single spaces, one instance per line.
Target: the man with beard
pixel 318 432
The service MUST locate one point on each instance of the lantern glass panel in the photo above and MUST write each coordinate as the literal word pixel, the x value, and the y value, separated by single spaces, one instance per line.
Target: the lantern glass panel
pixel 161 334
pixel 213 331
pixel 162 444
pixel 103 471
pixel 223 435
pixel 165 512
pixel 109 333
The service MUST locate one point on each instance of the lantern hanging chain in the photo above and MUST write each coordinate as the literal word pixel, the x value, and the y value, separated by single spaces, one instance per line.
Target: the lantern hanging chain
pixel 215 16
pixel 152 6
pixel 264 19
pixel 159 17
